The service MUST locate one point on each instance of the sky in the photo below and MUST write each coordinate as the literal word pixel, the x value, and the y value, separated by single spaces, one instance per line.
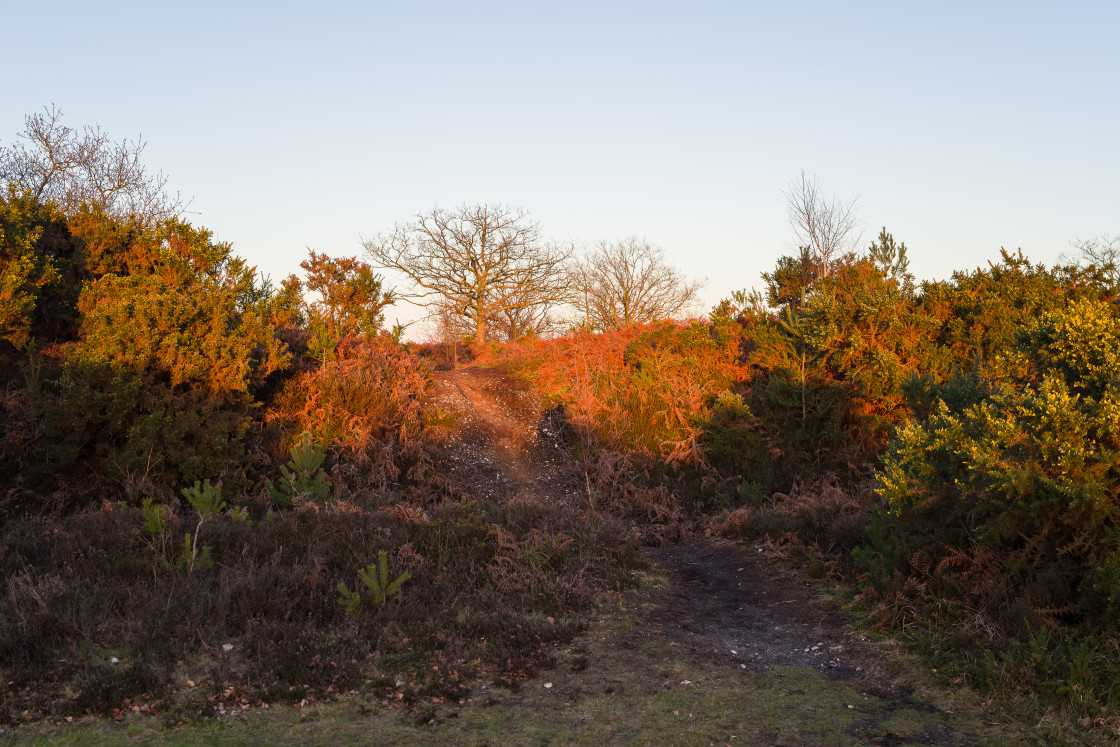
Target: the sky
pixel 960 127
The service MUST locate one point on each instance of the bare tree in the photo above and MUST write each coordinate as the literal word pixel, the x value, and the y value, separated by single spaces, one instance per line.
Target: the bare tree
pixel 476 263
pixel 627 282
pixel 826 225
pixel 528 318
pixel 444 326
pixel 71 167
pixel 1102 252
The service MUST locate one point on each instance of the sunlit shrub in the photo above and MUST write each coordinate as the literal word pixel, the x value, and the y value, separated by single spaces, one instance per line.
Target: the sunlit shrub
pixel 35 258
pixel 368 402
pixel 979 313
pixel 200 335
pixel 1012 503
pixel 161 380
pixel 648 388
pixel 825 356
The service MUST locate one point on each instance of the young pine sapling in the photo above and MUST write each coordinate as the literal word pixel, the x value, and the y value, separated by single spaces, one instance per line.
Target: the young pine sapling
pixel 303 476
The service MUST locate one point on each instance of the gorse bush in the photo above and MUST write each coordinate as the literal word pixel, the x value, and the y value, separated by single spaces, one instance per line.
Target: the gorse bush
pixel 196 335
pixel 829 358
pixel 167 337
pixel 979 313
pixel 1012 503
pixel 36 260
pixel 1078 345
pixel 125 422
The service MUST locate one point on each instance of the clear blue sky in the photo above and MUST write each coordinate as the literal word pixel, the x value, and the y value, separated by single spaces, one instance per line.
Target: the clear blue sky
pixel 962 126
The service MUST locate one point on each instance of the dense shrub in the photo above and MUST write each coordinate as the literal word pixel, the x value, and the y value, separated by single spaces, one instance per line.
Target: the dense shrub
pixel 836 362
pixel 824 363
pixel 198 334
pixel 368 403
pixel 122 422
pixel 166 337
pixel 1011 504
pixel 979 313
pixel 36 254
pixel 161 379
pixel 648 388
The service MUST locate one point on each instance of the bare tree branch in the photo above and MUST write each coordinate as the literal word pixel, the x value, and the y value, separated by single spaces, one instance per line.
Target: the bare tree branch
pixel 74 167
pixel 476 263
pixel 1103 253
pixel 627 282
pixel 826 225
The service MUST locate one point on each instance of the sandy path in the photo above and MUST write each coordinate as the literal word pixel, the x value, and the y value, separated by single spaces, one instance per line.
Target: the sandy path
pixel 503 442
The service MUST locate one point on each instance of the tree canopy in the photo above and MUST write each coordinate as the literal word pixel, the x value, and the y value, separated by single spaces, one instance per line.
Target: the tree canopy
pixel 621 283
pixel 474 263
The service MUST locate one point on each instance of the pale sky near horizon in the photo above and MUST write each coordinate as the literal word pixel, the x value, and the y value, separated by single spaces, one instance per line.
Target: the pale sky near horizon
pixel 963 127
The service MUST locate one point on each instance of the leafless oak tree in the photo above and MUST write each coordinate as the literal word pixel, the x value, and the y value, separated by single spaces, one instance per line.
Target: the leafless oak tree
pixel 476 263
pixel 515 322
pixel 826 225
pixel 71 167
pixel 528 318
pixel 627 282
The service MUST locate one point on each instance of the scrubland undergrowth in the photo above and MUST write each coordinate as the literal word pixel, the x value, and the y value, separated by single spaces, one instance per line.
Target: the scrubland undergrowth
pixel 202 468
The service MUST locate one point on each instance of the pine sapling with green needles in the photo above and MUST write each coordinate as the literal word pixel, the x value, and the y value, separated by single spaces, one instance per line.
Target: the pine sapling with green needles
pixel 155 522
pixel 376 580
pixel 302 477
pixel 206 499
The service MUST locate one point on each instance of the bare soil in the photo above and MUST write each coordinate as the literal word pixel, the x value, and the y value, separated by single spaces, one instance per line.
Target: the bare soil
pixel 730 606
pixel 503 442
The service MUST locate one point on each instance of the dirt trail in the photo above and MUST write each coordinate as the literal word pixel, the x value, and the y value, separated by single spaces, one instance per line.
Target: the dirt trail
pixel 724 604
pixel 503 443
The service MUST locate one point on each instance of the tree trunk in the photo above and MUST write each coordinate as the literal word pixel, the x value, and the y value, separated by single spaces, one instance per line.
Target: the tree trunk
pixel 480 330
